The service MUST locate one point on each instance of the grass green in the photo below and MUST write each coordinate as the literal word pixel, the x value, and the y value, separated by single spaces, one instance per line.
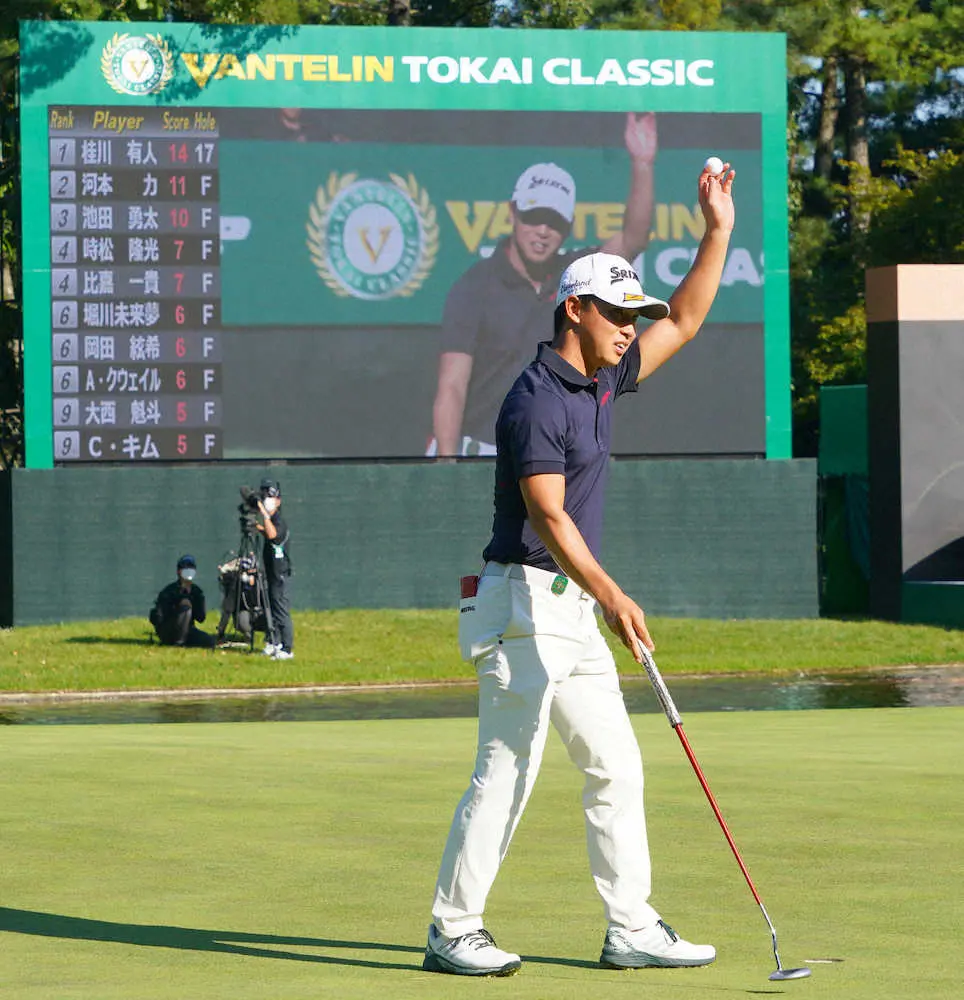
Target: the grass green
pixel 356 646
pixel 297 860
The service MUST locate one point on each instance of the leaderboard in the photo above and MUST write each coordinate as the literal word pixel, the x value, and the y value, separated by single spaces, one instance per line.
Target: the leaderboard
pixel 135 284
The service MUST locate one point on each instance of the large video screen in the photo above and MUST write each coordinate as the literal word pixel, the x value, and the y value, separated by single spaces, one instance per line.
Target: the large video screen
pixel 271 254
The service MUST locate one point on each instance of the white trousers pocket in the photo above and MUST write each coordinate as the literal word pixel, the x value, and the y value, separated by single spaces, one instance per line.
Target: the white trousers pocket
pixel 484 618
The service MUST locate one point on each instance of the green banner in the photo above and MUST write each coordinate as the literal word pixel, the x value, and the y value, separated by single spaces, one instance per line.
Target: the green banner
pixel 278 66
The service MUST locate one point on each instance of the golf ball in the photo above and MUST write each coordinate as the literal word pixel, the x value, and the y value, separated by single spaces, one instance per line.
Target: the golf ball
pixel 714 164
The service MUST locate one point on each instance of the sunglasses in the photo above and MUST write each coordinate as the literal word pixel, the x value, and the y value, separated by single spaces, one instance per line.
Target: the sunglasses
pixel 617 315
pixel 544 217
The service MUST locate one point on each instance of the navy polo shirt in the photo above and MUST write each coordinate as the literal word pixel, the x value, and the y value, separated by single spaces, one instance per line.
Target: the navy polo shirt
pixel 555 420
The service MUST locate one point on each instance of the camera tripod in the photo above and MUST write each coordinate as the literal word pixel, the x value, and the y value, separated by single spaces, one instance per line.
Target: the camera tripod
pixel 246 595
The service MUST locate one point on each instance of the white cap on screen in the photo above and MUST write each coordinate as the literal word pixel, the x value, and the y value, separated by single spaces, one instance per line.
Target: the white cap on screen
pixel 546 185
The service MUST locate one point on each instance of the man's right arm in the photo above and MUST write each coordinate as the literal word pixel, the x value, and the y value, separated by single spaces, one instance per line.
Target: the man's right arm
pixel 544 497
pixel 462 324
pixel 267 526
pixel 454 372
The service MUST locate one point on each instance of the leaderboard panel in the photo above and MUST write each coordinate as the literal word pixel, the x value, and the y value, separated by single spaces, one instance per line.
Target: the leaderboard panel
pixel 135 284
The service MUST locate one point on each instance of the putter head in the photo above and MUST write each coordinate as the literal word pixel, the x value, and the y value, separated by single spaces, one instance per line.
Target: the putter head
pixel 800 973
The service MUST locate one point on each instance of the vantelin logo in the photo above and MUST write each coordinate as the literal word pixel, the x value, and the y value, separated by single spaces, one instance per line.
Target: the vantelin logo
pixel 137 64
pixel 371 239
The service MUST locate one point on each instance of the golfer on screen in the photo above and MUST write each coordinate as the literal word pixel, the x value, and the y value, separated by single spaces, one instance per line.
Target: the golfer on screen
pixel 494 313
pixel 528 622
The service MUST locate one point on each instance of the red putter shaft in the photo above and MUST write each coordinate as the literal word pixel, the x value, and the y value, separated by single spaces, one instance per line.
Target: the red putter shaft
pixel 666 701
pixel 716 809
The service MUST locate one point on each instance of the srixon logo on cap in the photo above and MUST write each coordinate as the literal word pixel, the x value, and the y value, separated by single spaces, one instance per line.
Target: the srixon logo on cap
pixel 536 182
pixel 621 274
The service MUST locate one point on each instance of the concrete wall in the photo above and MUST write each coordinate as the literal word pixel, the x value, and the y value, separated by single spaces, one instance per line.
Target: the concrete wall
pixel 915 352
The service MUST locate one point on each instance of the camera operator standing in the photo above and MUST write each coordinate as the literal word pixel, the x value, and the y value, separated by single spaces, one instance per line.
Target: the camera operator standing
pixel 277 570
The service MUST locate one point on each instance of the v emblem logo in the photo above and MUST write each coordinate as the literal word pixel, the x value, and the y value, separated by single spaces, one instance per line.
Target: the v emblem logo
pixel 138 65
pixel 375 252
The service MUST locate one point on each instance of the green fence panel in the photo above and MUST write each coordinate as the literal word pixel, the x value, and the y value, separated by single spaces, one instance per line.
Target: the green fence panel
pixel 703 538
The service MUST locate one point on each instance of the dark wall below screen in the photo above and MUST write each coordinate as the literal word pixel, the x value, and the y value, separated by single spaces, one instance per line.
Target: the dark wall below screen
pixel 716 538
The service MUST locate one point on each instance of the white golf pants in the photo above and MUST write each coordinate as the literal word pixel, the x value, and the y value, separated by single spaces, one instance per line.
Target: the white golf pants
pixel 541 658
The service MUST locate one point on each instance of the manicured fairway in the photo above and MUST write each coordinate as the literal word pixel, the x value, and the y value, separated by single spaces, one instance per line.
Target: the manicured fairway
pixel 290 861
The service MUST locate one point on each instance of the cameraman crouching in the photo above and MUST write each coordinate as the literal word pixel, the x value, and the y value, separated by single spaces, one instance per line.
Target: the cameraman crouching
pixel 178 606
pixel 277 570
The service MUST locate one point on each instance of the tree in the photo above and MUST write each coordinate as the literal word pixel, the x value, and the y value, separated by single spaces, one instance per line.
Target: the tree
pixel 866 80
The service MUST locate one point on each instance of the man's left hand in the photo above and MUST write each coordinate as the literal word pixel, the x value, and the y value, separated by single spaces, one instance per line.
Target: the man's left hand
pixel 640 136
pixel 716 198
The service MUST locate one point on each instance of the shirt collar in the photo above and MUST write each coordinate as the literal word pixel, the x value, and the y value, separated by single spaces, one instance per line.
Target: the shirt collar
pixel 510 276
pixel 559 366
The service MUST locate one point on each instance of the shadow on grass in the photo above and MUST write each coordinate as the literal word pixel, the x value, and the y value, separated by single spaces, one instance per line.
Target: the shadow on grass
pixel 56 925
pixel 110 640
pixel 228 646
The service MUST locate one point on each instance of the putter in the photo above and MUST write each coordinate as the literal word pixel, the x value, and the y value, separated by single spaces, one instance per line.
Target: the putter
pixel 666 702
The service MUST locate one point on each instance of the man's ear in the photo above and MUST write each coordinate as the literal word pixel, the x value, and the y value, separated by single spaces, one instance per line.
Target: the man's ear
pixel 574 308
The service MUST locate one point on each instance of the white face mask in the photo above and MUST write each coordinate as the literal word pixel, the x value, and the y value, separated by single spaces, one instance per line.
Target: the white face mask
pixel 188 574
pixel 271 504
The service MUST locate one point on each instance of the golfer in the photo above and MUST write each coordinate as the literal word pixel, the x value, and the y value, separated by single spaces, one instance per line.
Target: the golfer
pixel 528 624
pixel 495 313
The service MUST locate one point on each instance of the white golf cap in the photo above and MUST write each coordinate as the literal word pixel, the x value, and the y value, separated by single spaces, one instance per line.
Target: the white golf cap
pixel 546 185
pixel 612 279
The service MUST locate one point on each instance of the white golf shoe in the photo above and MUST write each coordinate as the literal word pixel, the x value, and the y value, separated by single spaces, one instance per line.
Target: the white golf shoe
pixel 269 649
pixel 656 945
pixel 472 954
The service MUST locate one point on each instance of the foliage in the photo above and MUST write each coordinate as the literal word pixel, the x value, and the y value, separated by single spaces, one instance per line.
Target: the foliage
pixel 913 208
pixel 538 14
pixel 918 218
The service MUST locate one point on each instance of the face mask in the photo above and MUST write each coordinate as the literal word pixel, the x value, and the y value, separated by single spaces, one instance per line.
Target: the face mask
pixel 188 574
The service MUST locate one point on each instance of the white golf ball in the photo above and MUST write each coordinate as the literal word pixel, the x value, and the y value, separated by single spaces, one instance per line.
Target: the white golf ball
pixel 714 164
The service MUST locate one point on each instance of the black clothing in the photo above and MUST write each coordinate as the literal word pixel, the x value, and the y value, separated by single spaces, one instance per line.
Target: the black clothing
pixel 494 314
pixel 276 556
pixel 555 420
pixel 280 601
pixel 174 613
